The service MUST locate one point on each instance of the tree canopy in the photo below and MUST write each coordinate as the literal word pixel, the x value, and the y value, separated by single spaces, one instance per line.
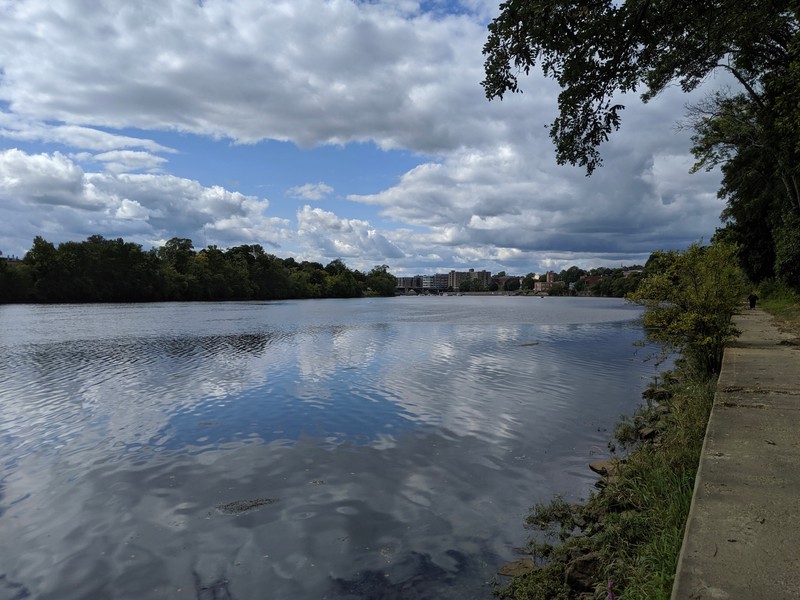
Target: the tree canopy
pixel 598 49
pixel 102 270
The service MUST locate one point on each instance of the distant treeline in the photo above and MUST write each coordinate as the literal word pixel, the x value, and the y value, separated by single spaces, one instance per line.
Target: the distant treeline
pixel 574 281
pixel 103 270
pixel 601 281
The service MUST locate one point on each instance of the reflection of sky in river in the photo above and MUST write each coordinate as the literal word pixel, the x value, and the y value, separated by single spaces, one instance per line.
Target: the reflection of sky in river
pixel 338 400
pixel 402 441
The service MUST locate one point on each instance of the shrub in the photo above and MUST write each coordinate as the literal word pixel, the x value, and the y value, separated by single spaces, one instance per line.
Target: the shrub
pixel 689 300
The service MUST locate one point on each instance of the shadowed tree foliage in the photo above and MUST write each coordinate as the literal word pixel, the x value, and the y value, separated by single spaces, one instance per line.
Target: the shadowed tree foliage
pixel 14 281
pixel 759 163
pixel 380 282
pixel 101 270
pixel 596 49
pixel 472 285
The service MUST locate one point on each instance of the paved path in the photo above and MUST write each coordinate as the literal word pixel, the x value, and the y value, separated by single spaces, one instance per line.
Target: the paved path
pixel 743 534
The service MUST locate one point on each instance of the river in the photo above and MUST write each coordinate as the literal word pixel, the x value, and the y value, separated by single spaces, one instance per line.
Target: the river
pixel 371 448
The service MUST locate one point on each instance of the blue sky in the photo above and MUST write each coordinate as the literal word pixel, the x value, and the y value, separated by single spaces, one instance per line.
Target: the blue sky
pixel 319 129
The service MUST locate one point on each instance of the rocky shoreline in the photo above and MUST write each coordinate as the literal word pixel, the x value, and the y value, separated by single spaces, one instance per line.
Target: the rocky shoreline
pixel 580 550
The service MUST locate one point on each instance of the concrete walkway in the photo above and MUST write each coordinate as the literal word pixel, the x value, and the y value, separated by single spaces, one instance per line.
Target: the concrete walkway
pixel 743 533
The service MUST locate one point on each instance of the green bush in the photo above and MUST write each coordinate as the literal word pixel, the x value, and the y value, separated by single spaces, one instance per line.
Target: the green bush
pixel 689 300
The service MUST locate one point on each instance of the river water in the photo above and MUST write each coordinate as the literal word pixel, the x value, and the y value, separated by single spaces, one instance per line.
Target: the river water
pixel 373 448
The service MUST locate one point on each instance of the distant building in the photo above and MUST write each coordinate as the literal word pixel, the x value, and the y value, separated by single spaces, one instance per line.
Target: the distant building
pixel 485 277
pixel 456 278
pixel 409 283
pixel 437 282
pixel 440 282
pixel 592 279
pixel 547 284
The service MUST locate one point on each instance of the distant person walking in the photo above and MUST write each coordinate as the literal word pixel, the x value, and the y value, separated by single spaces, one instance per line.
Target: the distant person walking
pixel 752 299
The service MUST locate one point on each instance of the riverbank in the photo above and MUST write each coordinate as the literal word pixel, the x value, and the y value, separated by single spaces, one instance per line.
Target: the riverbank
pixel 745 518
pixel 740 521
pixel 626 538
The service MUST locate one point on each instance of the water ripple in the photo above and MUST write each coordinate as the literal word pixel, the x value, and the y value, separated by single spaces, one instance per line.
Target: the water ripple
pixel 401 441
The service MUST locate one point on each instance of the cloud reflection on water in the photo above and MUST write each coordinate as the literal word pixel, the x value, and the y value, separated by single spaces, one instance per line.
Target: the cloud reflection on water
pixel 394 446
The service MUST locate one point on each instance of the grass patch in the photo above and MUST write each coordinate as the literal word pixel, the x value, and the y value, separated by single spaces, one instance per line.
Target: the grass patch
pixel 625 540
pixel 781 301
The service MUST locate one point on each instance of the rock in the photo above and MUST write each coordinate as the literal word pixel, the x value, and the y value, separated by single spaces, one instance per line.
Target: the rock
pixel 605 467
pixel 662 409
pixel 242 506
pixel 657 394
pixel 647 433
pixel 581 574
pixel 517 567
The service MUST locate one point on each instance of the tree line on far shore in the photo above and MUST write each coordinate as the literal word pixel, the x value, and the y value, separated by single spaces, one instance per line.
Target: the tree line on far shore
pixel 601 281
pixel 613 282
pixel 113 270
pixel 106 270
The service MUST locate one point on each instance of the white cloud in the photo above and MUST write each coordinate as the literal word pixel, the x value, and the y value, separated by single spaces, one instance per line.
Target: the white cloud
pixel 42 179
pixel 59 198
pixel 323 233
pixel 122 161
pixel 514 197
pixel 302 70
pixel 15 127
pixel 314 72
pixel 310 191
pixel 131 209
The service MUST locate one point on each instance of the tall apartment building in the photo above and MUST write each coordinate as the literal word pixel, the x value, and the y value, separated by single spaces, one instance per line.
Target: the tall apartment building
pixel 440 282
pixel 409 283
pixel 485 277
pixel 456 278
pixel 437 282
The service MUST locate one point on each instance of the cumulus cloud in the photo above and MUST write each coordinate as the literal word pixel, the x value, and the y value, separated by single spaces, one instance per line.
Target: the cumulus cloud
pixel 42 179
pixel 55 195
pixel 302 70
pixel 514 197
pixel 333 237
pixel 402 75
